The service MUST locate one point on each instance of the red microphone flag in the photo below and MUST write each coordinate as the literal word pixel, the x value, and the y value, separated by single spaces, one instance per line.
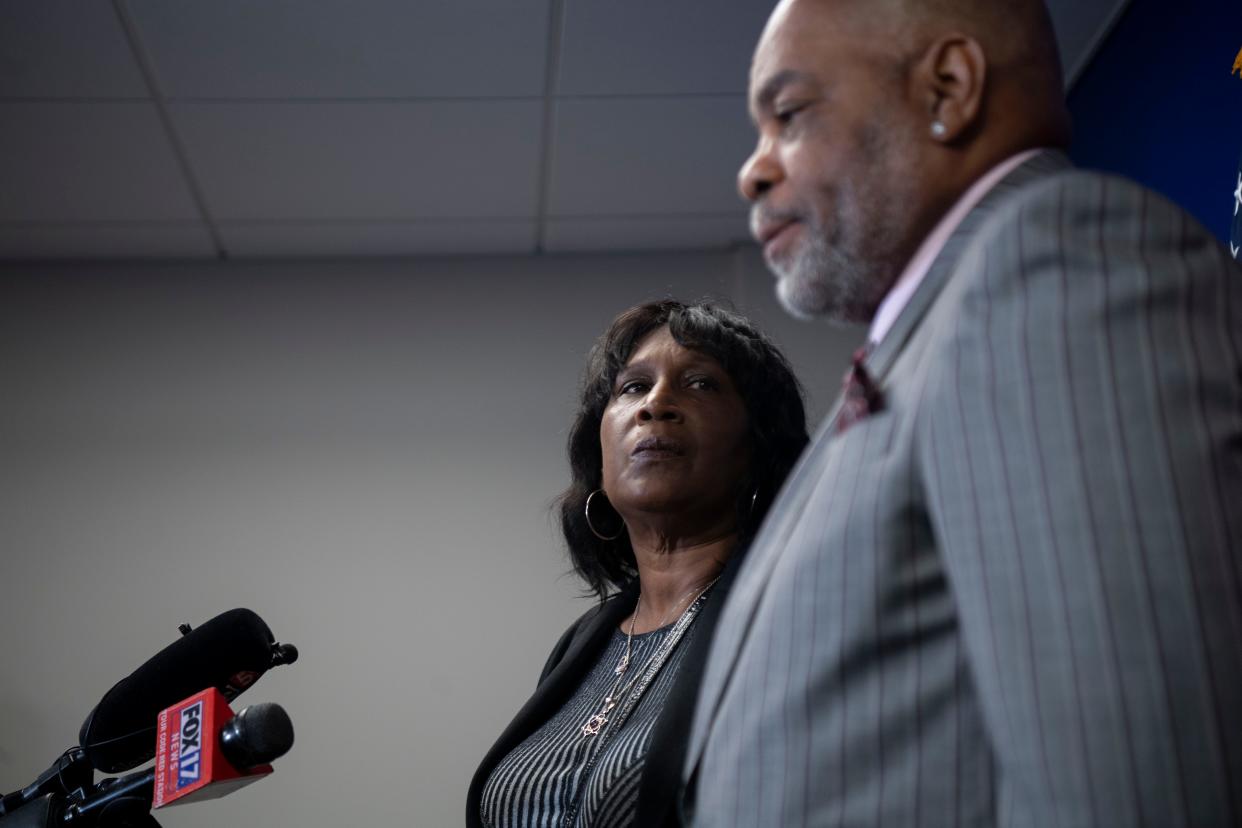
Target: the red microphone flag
pixel 189 765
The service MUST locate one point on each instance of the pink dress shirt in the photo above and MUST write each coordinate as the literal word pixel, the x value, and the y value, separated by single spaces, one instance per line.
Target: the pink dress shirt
pixel 910 278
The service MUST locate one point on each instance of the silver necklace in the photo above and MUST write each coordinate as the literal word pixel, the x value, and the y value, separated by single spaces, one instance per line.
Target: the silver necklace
pixel 596 723
pixel 624 663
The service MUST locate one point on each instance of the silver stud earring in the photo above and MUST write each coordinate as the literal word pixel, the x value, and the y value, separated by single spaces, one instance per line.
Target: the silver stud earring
pixel 938 129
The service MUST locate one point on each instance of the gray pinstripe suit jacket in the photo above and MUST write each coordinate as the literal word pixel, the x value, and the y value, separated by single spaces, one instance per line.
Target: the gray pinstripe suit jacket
pixel 1012 596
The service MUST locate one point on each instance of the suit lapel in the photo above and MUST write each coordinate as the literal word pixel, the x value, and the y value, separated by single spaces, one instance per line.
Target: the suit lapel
pixel 881 360
pixel 742 602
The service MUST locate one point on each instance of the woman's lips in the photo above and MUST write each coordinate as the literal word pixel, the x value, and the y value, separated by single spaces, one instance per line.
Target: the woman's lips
pixel 655 454
pixel 657 448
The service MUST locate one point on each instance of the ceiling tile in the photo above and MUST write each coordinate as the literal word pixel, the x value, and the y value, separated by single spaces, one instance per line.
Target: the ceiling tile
pixel 418 238
pixel 658 47
pixel 646 156
pixel 645 233
pixel 88 162
pixel 346 48
pixel 66 49
pixel 377 161
pixel 108 240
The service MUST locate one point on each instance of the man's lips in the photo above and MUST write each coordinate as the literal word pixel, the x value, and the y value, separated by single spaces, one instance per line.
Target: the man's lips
pixel 779 242
pixel 773 229
pixel 768 229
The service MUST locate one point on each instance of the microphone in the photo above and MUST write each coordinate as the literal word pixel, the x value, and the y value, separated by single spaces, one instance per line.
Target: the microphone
pixel 193 763
pixel 203 752
pixel 229 653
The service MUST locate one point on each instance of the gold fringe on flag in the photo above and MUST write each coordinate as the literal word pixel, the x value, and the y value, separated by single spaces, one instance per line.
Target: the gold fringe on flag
pixel 1237 64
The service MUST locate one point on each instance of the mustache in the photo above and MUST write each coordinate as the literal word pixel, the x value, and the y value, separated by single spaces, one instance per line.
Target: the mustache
pixel 762 215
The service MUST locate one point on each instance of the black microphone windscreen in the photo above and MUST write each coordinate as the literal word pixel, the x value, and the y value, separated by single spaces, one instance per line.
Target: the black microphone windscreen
pixel 228 652
pixel 257 735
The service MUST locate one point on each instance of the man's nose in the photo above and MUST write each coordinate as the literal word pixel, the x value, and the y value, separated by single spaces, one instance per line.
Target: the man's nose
pixel 761 171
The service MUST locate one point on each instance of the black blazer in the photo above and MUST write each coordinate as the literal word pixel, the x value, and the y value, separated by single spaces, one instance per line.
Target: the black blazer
pixel 577 651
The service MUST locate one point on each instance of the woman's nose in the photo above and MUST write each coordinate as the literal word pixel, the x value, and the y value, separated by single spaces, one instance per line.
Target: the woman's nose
pixel 659 404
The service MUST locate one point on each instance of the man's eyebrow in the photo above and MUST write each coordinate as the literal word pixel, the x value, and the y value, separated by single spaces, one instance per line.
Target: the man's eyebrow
pixel 773 85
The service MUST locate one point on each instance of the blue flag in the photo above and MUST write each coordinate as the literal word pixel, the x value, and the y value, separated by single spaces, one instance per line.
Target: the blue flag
pixel 1235 232
pixel 1235 229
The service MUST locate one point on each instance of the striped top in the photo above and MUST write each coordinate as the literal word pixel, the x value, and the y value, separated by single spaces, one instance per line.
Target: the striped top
pixel 559 777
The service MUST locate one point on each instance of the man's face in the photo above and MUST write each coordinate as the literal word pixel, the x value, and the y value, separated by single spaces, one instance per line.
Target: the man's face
pixel 834 179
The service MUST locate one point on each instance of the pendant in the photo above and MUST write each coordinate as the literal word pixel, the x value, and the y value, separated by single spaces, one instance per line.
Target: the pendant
pixel 596 723
pixel 622 664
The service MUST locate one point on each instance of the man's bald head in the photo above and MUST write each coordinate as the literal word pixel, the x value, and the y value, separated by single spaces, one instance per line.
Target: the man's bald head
pixel 1014 27
pixel 1024 73
pixel 1018 42
pixel 874 116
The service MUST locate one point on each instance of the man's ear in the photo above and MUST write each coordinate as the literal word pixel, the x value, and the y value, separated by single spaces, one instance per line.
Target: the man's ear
pixel 949 80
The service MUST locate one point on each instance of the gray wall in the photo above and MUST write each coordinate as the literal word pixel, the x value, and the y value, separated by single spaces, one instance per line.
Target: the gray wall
pixel 362 452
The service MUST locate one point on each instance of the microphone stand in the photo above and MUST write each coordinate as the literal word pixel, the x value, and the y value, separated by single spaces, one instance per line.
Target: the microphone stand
pixel 119 801
pixel 65 794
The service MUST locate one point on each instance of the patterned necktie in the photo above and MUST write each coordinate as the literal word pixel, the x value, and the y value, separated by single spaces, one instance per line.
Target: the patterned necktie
pixel 860 397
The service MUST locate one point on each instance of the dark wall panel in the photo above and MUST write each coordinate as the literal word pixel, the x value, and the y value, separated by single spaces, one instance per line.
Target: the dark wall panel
pixel 1160 104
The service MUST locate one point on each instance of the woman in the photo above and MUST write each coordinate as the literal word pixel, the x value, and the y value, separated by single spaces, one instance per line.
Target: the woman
pixel 689 421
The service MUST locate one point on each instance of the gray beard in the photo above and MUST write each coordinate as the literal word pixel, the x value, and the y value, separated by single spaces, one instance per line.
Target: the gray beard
pixel 844 276
pixel 825 282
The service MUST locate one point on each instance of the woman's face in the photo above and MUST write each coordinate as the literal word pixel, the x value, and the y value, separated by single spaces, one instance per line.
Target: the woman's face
pixel 674 437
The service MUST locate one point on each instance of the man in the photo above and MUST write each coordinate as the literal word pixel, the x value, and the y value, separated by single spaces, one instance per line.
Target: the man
pixel 1004 586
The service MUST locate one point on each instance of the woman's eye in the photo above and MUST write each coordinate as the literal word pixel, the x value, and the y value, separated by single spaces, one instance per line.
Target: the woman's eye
pixel 632 387
pixel 703 383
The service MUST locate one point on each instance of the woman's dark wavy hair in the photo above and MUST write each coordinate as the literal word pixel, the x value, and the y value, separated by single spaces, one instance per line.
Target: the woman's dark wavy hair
pixel 763 378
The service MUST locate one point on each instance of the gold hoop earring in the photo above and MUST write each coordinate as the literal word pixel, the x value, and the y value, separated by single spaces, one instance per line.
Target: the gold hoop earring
pixel 586 512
